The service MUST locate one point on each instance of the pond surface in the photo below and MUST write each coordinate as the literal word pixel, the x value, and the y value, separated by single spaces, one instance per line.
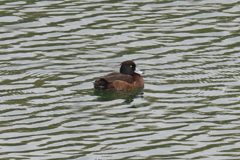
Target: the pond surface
pixel 52 51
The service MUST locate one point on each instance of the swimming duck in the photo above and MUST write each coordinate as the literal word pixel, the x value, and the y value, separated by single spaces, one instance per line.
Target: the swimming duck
pixel 128 78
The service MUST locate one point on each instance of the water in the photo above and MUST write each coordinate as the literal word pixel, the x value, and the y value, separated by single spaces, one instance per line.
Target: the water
pixel 52 51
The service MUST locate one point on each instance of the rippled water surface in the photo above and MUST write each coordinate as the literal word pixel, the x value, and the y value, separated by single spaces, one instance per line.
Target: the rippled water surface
pixel 52 51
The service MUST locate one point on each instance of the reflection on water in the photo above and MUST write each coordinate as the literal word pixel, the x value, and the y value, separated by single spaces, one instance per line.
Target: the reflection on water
pixel 128 96
pixel 52 51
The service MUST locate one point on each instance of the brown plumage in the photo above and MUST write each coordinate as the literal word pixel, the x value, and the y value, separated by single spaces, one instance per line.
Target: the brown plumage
pixel 128 78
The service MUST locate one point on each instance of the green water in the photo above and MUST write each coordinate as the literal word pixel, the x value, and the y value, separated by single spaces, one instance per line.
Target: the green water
pixel 52 51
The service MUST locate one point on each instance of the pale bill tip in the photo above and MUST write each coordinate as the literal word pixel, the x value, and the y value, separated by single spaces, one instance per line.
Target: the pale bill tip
pixel 138 71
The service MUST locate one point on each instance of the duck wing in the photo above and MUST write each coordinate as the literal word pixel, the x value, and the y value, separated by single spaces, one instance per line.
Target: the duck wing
pixel 111 77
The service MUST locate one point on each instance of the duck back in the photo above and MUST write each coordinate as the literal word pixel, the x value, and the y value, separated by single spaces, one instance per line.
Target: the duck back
pixel 104 82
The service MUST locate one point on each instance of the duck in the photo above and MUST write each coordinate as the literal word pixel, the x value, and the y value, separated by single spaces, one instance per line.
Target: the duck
pixel 128 78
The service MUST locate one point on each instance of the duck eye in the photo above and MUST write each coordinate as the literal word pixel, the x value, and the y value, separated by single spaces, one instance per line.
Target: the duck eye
pixel 130 66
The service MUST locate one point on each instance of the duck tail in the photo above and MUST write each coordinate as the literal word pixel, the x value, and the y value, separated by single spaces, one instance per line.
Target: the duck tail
pixel 100 84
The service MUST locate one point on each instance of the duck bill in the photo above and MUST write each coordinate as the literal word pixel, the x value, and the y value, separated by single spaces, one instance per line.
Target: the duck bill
pixel 138 71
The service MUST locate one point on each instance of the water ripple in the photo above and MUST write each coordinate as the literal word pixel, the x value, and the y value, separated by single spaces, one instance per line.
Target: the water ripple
pixel 52 51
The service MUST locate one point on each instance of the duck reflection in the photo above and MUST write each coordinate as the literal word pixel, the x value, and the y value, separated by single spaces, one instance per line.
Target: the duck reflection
pixel 129 96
